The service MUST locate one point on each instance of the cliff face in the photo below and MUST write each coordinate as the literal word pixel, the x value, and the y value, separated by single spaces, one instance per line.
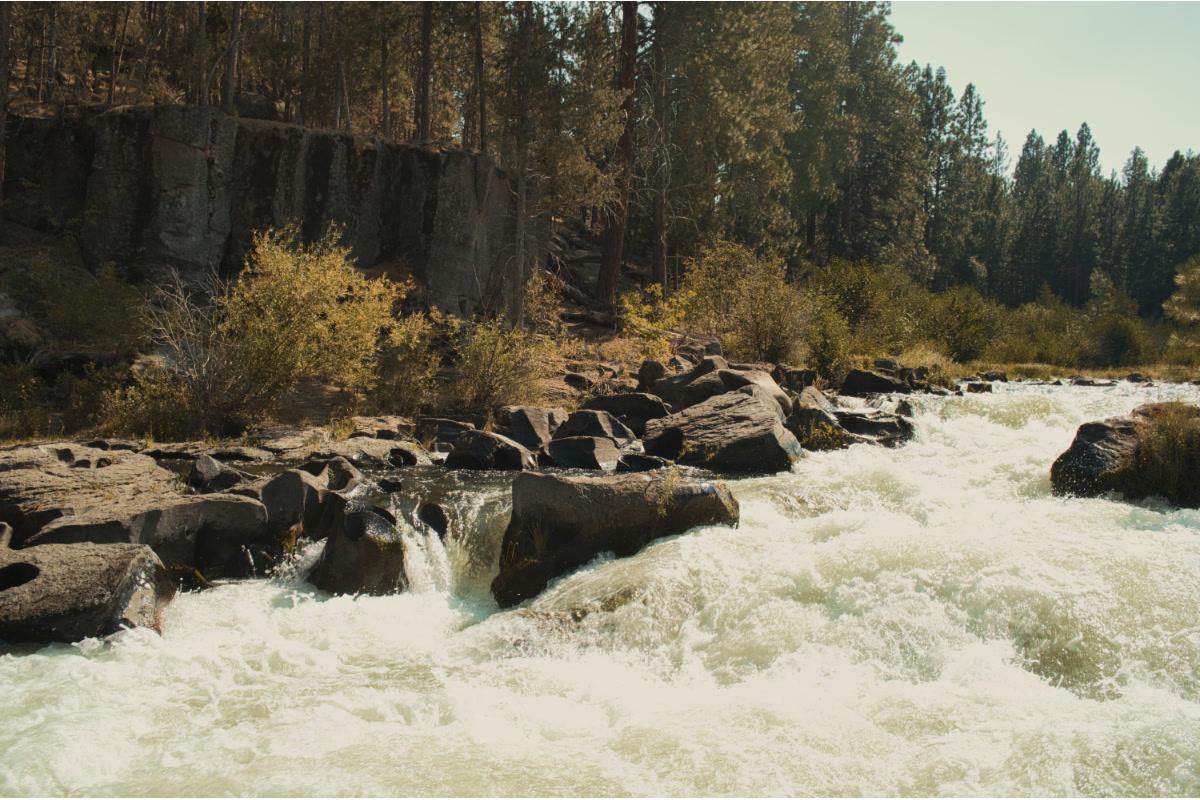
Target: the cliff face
pixel 186 187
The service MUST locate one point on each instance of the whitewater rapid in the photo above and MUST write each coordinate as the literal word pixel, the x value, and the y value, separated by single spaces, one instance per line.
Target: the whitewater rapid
pixel 920 621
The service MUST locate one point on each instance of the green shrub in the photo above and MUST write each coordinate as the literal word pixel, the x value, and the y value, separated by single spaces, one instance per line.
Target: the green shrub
pixel 652 319
pixel 496 365
pixel 743 299
pixel 1117 341
pixel 408 365
pixel 829 342
pixel 964 322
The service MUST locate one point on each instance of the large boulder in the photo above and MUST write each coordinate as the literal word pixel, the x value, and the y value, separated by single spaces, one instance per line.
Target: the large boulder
pixel 814 422
pixel 560 523
pixel 483 450
pixel 433 431
pixel 1155 450
pixel 210 475
pixel 584 452
pixel 363 553
pixel 291 498
pixel 530 426
pixel 714 376
pixel 596 423
pixel 734 432
pixel 861 382
pixel 68 592
pixel 633 409
pixel 876 427
pixel 47 482
pixel 367 453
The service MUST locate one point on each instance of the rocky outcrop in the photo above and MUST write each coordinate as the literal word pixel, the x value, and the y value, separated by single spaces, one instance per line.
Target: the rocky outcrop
pixel 714 376
pixel 530 426
pixel 373 453
pixel 1155 450
pixel 595 423
pixel 483 450
pixel 734 432
pixel 209 475
pixel 861 382
pixel 68 592
pixel 560 523
pixel 66 494
pixel 633 409
pixel 186 187
pixel 583 452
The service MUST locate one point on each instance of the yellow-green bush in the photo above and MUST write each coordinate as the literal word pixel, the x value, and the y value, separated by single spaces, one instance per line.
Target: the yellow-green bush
pixel 652 319
pixel 964 323
pixel 408 365
pixel 745 300
pixel 298 312
pixel 830 343
pixel 496 365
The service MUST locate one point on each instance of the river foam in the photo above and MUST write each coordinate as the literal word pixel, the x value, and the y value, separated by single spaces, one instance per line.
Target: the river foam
pixel 927 620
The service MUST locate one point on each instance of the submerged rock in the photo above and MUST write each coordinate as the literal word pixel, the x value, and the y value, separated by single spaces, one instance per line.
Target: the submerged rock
pixel 733 432
pixel 68 592
pixel 560 523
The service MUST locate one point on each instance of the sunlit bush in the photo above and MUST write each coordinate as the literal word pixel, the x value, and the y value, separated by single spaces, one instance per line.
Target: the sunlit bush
pixel 496 365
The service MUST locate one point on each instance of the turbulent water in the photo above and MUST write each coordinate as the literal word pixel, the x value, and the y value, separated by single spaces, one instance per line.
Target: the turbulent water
pixel 928 620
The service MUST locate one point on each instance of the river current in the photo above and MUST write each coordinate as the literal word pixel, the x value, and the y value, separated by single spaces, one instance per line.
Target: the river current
pixel 922 621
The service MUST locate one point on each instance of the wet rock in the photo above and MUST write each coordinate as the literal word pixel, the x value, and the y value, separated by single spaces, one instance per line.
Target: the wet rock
pixel 68 592
pixel 483 450
pixel 291 498
pixel 633 409
pixel 1137 377
pixel 889 430
pixel 132 445
pixel 814 422
pixel 994 375
pixel 595 423
pixel 435 517
pixel 640 462
pixel 1079 380
pixel 209 475
pixel 561 523
pixel 583 452
pixel 978 387
pixel 1104 456
pixel 363 553
pixel 792 378
pixel 530 426
pixel 861 382
pixel 734 432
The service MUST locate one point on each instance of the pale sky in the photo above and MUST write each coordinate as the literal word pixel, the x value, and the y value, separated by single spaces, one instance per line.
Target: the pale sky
pixel 1131 70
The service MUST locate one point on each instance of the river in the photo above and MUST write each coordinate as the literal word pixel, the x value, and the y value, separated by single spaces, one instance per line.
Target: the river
pixel 921 621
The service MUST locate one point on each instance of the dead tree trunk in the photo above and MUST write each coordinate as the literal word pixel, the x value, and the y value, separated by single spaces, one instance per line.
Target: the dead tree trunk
pixel 618 218
pixel 662 168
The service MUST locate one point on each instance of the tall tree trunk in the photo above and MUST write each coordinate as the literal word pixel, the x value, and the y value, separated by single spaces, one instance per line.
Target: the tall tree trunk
pixel 4 32
pixel 305 61
pixel 229 100
pixel 52 58
pixel 664 162
pixel 425 74
pixel 516 308
pixel 385 81
pixel 479 78
pixel 41 78
pixel 202 55
pixel 344 96
pixel 614 237
pixel 118 54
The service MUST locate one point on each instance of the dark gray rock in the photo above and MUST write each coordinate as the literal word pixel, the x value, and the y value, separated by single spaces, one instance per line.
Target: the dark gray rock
pixel 861 382
pixel 363 553
pixel 435 516
pixel 583 452
pixel 209 475
pixel 978 387
pixel 530 426
pixel 734 432
pixel 994 375
pixel 292 498
pixel 814 422
pixel 1099 458
pixel 335 473
pixel 595 423
pixel 483 450
pixel 439 430
pixel 560 523
pixel 633 409
pixel 68 592
pixel 714 376
pixel 640 462
pixel 649 373
pixel 876 427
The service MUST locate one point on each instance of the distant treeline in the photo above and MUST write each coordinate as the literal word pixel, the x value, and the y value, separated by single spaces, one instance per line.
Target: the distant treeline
pixel 789 127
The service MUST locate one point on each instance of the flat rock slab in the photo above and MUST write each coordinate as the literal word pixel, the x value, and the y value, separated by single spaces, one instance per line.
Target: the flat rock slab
pixel 64 593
